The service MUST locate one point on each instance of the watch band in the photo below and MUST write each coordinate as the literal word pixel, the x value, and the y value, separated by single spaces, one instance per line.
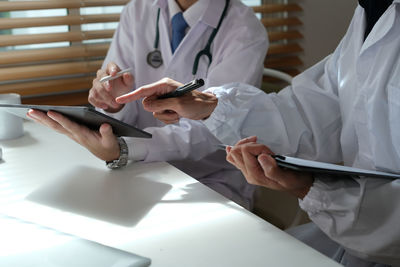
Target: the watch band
pixel 123 156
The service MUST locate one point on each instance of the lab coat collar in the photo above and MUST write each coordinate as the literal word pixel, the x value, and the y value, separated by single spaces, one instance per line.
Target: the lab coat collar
pixel 381 28
pixel 161 3
pixel 211 15
pixel 192 15
pixel 213 12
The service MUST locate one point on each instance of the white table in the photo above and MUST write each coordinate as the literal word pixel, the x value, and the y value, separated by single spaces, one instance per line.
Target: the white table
pixel 153 210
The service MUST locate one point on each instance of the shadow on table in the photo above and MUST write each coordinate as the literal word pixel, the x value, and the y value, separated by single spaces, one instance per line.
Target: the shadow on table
pixel 196 193
pixel 24 141
pixel 114 197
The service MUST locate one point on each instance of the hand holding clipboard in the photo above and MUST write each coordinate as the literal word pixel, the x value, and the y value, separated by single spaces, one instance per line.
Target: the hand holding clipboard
pixel 303 165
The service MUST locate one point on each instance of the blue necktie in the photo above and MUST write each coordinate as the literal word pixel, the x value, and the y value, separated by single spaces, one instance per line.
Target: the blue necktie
pixel 179 26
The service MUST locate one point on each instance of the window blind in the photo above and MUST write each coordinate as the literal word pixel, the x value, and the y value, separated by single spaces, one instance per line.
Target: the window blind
pixel 53 66
pixel 283 25
pixel 50 50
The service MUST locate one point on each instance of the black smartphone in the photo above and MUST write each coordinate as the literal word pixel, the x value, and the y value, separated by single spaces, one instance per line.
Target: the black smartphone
pixel 184 89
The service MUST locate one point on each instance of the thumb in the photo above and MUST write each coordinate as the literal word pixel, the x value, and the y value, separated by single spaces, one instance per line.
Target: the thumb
pixel 107 136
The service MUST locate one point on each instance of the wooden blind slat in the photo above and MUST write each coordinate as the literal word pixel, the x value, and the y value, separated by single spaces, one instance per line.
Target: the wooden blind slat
pixel 48 70
pixel 275 8
pixel 284 35
pixel 12 23
pixel 48 86
pixel 276 22
pixel 24 39
pixel 6 6
pixel 283 62
pixel 276 49
pixel 47 54
pixel 66 99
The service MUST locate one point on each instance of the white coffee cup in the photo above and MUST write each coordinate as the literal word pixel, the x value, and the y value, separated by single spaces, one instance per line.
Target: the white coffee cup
pixel 10 125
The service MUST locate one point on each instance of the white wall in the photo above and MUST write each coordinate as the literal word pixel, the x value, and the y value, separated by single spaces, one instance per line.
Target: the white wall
pixel 325 22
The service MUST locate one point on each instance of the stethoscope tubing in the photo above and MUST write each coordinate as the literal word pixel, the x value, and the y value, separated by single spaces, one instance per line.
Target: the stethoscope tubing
pixel 154 58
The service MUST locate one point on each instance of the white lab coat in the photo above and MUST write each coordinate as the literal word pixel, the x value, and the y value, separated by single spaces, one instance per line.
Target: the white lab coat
pixel 344 109
pixel 238 53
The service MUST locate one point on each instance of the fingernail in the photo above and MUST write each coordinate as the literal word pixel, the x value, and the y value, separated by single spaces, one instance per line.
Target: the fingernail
pixel 31 114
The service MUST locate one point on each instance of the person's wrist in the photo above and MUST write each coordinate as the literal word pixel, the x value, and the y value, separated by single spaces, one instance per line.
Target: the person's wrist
pixel 212 104
pixel 303 191
pixel 114 110
pixel 122 159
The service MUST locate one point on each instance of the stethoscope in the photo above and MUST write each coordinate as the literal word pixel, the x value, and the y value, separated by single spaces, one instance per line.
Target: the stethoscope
pixel 154 58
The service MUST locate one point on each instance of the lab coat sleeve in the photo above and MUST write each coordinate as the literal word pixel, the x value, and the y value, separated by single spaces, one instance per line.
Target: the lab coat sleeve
pixel 350 212
pixel 185 140
pixel 244 43
pixel 302 119
pixel 122 43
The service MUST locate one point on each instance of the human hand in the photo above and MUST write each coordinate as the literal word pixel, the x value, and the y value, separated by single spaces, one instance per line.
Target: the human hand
pixel 103 143
pixel 193 105
pixel 102 95
pixel 259 168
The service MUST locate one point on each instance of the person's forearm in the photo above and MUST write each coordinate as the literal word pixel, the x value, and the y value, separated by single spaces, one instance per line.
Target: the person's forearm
pixel 358 214
pixel 188 140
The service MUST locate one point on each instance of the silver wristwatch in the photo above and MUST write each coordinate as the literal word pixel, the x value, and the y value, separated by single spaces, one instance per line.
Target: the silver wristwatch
pixel 123 156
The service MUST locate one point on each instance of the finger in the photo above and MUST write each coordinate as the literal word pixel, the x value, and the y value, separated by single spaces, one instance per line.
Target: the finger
pixel 95 99
pixel 107 96
pixel 107 136
pixel 78 132
pixel 270 168
pixel 250 162
pixel 112 68
pixel 251 139
pixel 127 79
pixel 166 116
pixel 235 157
pixel 256 171
pixel 100 98
pixel 153 104
pixel 158 88
pixel 108 86
pixel 43 119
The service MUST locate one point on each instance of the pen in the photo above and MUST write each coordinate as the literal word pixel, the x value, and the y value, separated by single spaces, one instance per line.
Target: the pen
pixel 222 146
pixel 117 75
pixel 184 89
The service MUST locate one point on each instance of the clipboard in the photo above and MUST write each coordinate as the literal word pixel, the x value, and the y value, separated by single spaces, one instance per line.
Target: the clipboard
pixel 321 167
pixel 80 114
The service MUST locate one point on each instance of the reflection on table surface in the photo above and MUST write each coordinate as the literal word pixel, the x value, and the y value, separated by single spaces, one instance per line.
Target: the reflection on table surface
pixel 153 209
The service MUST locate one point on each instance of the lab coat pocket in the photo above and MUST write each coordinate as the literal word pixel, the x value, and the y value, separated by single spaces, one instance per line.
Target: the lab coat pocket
pixel 394 114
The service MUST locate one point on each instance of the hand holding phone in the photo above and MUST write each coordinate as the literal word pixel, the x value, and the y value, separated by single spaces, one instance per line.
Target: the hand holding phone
pixel 184 89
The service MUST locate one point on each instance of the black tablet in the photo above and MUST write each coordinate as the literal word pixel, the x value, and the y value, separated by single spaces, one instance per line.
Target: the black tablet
pixel 82 115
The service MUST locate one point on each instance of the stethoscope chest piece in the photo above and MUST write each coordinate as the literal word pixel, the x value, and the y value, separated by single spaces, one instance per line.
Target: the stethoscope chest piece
pixel 154 59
